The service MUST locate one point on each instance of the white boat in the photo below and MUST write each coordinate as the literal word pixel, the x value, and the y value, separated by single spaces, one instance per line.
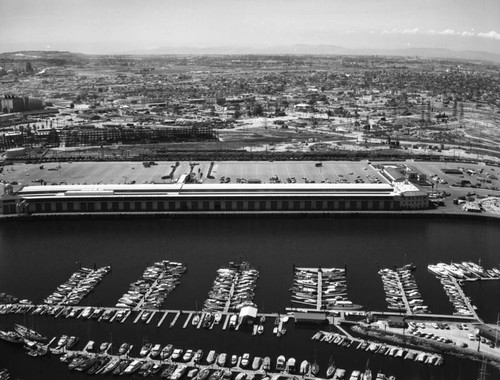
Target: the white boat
pixel 221 360
pixel 245 360
pixel 210 357
pixel 280 363
pixel 304 367
pixel 290 365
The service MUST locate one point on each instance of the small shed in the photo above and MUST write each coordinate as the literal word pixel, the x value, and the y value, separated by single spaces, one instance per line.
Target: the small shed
pixel 310 318
pixel 248 314
pixel 396 321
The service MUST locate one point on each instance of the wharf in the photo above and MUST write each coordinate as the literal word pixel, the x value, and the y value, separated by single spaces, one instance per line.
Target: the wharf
pixel 403 294
pixel 162 319
pixel 227 305
pixel 153 286
pixel 21 308
pixel 320 290
pixel 186 322
pixel 176 318
pixel 465 298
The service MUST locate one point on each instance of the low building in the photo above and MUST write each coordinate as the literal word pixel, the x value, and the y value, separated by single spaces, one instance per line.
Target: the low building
pixel 248 314
pixel 240 198
pixel 310 318
pixel 396 321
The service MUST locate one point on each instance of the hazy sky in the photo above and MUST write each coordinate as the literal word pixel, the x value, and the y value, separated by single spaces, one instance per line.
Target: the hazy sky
pixel 111 26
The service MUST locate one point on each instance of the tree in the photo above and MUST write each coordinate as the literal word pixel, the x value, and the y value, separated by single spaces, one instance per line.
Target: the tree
pixel 257 109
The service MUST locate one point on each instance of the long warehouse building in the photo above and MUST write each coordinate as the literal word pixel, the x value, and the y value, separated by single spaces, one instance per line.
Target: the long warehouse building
pixel 180 197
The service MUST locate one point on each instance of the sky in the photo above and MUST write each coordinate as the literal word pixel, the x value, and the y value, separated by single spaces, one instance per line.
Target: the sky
pixel 118 26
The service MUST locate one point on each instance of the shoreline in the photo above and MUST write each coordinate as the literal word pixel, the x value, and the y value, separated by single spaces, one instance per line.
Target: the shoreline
pixel 249 214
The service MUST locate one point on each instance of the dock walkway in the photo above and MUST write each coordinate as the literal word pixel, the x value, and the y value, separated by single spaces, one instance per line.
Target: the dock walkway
pixel 403 294
pixel 465 299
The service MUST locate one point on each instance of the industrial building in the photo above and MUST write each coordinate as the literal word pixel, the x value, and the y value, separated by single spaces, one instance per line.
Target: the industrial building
pixel 196 198
pixel 11 103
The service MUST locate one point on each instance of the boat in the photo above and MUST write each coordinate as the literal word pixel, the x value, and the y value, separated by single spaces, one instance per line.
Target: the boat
pixel 29 334
pixel 245 360
pixel 203 374
pixel 62 341
pixel 72 340
pixel 217 375
pixel 280 363
pixel 367 375
pixel 195 320
pixel 257 362
pixel 234 360
pixel 330 371
pixel 145 349
pixel 339 374
pixel 155 351
pixel 315 369
pixel 120 368
pixel 355 375
pixel 166 351
pixel 101 362
pixel 179 372
pixel 35 348
pixel 210 357
pixel 260 329
pixel 104 346
pixel 167 372
pixel 145 368
pixel 241 376
pixel 188 355
pixel 221 360
pixel 198 356
pixel 11 337
pixel 304 367
pixel 177 353
pixel 266 364
pixel 112 364
pixel 133 366
pixel 290 365
pixel 124 349
pixel 192 373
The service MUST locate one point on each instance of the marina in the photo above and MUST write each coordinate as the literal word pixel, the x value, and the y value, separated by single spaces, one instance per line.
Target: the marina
pixel 272 298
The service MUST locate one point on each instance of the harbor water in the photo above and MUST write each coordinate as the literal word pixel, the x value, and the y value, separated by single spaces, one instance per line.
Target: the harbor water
pixel 36 257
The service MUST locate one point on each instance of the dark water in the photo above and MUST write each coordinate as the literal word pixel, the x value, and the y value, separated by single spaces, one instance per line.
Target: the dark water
pixel 35 257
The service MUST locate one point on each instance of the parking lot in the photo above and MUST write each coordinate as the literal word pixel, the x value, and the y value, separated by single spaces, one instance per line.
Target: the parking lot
pixel 296 171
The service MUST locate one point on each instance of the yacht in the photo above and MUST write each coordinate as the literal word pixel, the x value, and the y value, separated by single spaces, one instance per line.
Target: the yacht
pixel 280 363
pixel 304 367
pixel 290 365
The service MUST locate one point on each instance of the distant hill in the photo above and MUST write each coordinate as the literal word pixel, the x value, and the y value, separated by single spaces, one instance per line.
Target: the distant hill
pixel 322 50
pixel 296 49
